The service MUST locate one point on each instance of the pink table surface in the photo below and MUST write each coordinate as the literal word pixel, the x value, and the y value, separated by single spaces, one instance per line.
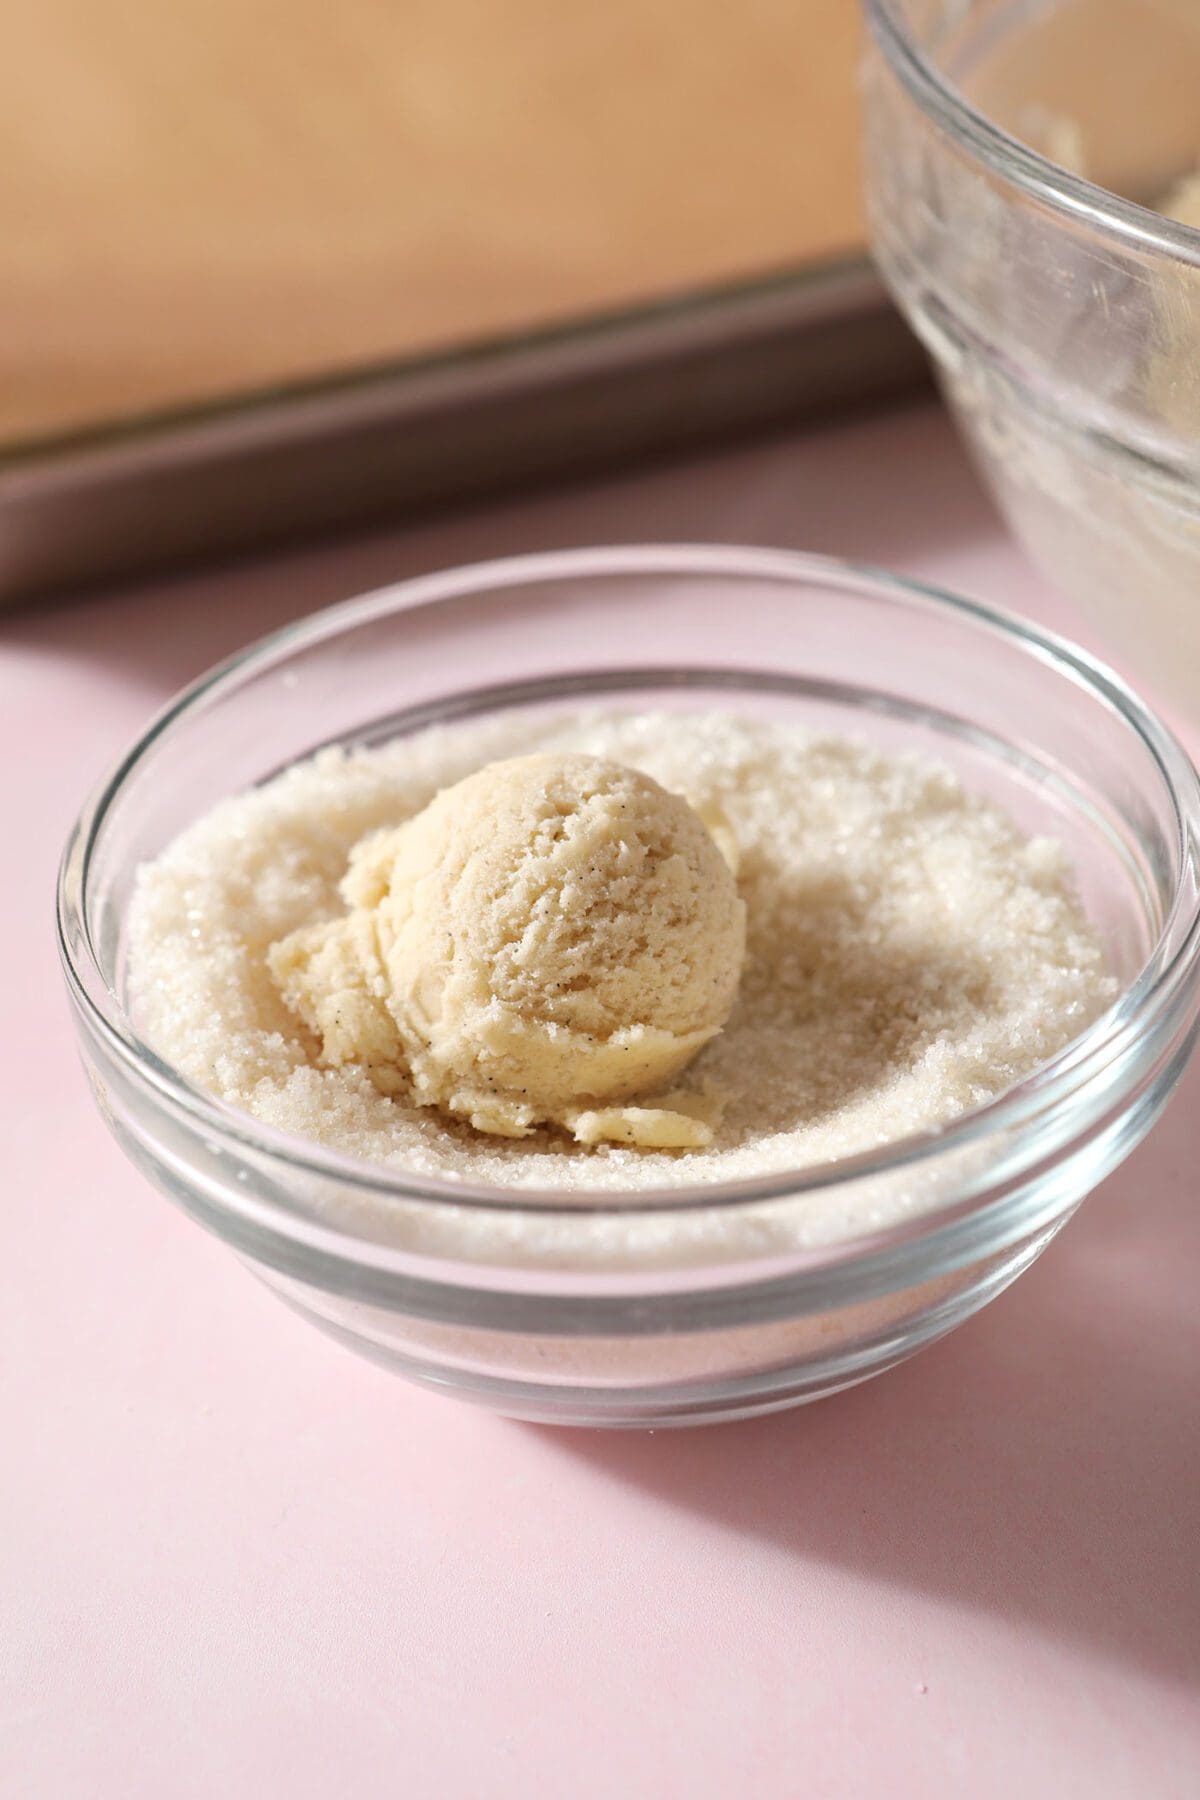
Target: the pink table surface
pixel 235 1560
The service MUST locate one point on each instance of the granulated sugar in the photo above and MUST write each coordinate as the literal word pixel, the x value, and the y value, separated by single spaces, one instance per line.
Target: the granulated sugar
pixel 910 953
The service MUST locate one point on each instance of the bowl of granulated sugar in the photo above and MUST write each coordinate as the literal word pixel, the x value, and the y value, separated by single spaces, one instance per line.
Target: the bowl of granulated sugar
pixel 639 986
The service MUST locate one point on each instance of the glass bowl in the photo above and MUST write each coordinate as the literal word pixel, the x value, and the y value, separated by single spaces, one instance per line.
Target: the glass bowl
pixel 1063 316
pixel 714 1301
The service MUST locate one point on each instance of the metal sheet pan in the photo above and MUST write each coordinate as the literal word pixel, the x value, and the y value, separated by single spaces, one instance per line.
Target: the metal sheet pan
pixel 334 453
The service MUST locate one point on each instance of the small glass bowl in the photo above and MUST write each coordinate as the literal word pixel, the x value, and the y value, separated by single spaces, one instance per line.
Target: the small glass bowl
pixel 716 1301
pixel 1063 316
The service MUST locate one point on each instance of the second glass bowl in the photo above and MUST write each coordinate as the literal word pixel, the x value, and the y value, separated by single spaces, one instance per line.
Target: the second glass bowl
pixel 1063 317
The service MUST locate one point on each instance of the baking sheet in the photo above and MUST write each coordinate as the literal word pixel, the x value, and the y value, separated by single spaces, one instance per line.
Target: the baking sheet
pixel 246 251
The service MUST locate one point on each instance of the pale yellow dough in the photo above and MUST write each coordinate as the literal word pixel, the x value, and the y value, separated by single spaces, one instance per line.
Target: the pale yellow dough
pixel 551 939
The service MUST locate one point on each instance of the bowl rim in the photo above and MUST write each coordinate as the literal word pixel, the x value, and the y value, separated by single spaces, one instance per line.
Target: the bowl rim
pixel 1171 962
pixel 1139 227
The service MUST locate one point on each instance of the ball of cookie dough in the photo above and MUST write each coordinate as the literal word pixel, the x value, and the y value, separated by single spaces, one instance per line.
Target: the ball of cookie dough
pixel 550 940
